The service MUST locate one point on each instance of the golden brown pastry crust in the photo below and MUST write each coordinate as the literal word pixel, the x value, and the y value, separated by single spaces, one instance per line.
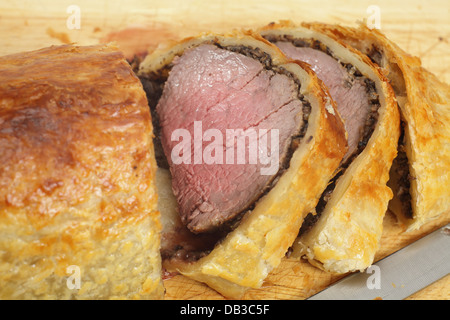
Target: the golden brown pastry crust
pixel 247 254
pixel 347 234
pixel 76 180
pixel 425 111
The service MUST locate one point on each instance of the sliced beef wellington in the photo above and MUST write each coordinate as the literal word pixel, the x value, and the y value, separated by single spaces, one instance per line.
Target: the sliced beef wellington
pixel 420 176
pixel 343 233
pixel 228 219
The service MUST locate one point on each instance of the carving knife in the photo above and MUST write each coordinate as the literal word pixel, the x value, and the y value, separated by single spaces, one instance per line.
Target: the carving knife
pixel 398 275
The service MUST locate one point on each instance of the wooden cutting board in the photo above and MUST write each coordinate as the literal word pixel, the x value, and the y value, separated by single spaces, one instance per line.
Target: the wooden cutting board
pixel 422 29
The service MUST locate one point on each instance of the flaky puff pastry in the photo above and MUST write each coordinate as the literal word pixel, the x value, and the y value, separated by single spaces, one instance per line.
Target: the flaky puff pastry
pixel 424 103
pixel 246 255
pixel 346 235
pixel 78 216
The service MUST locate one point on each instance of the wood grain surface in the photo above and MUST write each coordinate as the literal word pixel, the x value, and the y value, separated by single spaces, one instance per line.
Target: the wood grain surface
pixel 421 28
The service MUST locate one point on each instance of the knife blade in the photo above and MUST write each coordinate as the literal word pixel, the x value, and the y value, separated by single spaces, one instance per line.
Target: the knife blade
pixel 398 275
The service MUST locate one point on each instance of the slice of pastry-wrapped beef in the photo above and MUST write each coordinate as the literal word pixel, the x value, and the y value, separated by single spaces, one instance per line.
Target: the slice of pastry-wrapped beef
pixel 343 233
pixel 229 216
pixel 420 176
pixel 78 216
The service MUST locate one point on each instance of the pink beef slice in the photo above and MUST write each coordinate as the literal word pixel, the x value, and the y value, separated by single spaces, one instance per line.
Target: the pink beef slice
pixel 351 98
pixel 224 90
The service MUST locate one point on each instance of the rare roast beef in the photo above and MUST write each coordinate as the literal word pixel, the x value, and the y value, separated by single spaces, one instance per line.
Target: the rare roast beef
pixel 227 122
pixel 349 92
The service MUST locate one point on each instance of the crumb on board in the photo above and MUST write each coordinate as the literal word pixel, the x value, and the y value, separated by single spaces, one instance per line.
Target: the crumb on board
pixel 61 36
